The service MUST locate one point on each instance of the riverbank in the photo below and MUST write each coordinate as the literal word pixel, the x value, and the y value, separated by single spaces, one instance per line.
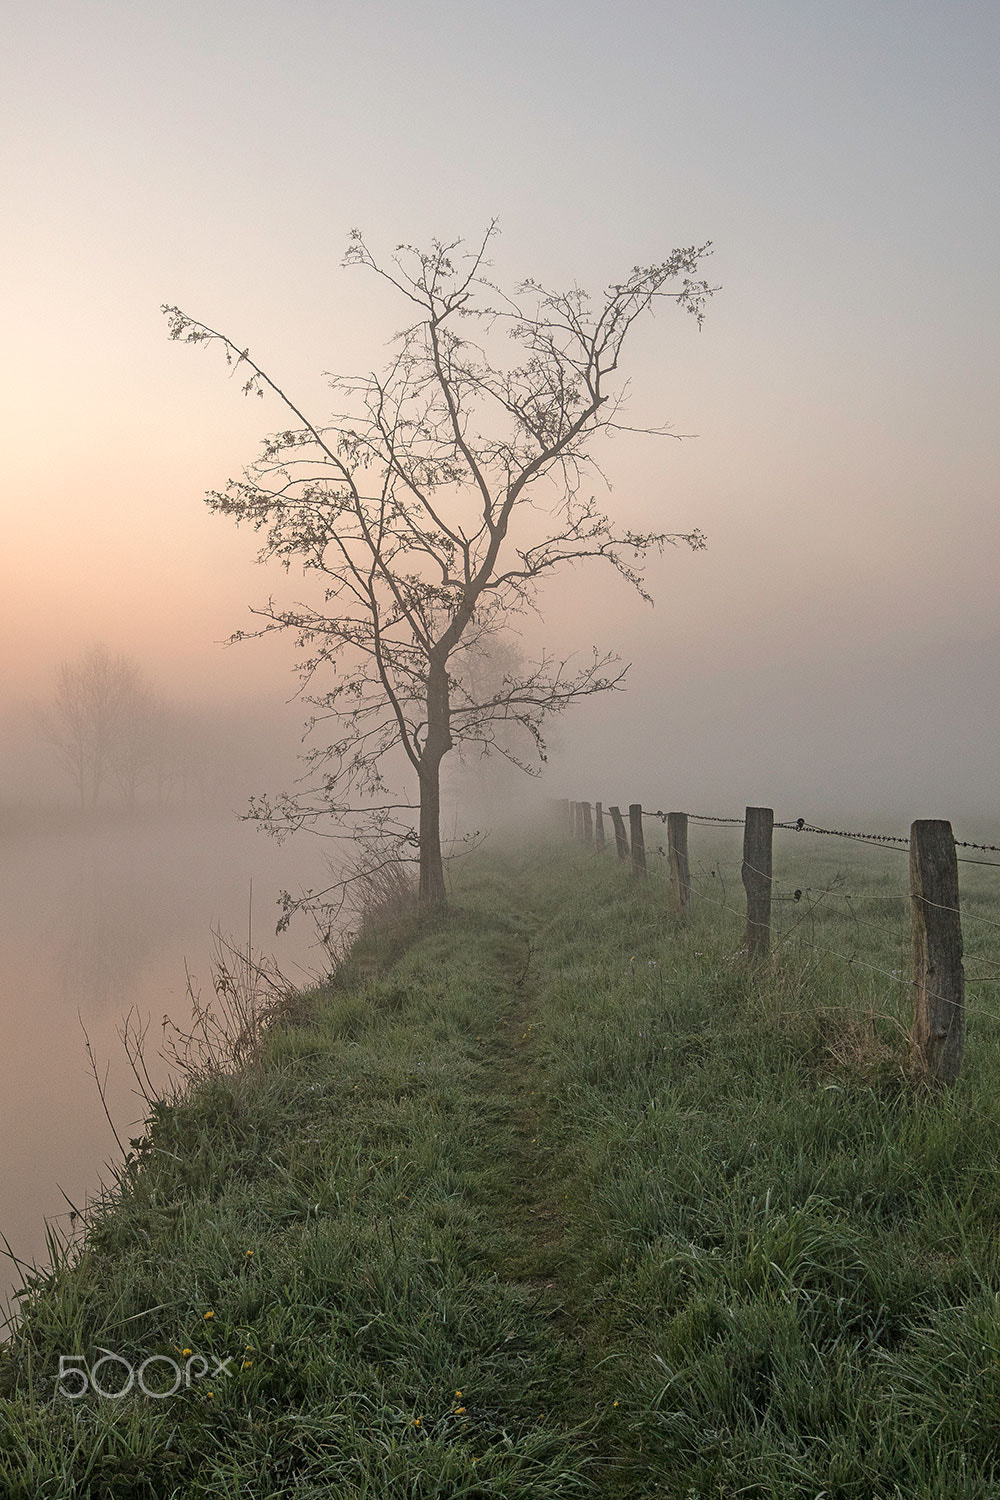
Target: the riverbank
pixel 548 1199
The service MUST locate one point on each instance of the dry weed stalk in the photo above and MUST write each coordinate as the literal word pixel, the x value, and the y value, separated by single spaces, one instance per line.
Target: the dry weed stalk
pixel 224 1033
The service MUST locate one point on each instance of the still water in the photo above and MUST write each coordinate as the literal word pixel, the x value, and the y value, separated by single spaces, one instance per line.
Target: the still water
pixel 94 922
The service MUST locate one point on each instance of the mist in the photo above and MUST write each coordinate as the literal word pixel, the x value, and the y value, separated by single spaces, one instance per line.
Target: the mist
pixel 832 429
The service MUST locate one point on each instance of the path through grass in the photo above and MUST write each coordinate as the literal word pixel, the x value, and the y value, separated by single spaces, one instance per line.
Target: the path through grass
pixel 563 1202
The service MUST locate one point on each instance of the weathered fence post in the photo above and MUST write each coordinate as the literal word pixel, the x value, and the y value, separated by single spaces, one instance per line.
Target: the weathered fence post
pixel 757 831
pixel 588 825
pixel 938 976
pixel 599 825
pixel 579 819
pixel 677 849
pixel 638 842
pixel 621 837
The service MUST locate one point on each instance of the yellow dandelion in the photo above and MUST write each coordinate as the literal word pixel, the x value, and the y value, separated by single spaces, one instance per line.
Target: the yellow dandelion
pixel 416 1421
pixel 459 1410
pixel 210 1314
pixel 187 1351
pixel 459 1395
pixel 248 1365
pixel 614 1403
pixel 249 1252
pixel 209 1394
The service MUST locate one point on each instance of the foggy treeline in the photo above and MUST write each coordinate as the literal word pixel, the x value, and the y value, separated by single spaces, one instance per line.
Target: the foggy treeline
pixel 101 740
pixel 115 737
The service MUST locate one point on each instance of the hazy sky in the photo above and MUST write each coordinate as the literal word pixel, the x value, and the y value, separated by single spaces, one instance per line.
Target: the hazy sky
pixel 840 634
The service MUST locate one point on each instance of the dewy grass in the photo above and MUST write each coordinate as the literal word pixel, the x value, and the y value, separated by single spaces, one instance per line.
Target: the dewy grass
pixel 555 1198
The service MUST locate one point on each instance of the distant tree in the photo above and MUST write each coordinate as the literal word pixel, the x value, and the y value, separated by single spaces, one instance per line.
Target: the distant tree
pixel 102 723
pixel 86 718
pixel 491 756
pixel 431 506
pixel 136 740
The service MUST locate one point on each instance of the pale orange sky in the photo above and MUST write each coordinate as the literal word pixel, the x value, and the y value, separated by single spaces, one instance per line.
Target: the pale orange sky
pixel 844 387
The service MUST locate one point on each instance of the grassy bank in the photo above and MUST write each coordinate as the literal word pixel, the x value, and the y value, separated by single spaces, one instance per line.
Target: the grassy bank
pixel 560 1203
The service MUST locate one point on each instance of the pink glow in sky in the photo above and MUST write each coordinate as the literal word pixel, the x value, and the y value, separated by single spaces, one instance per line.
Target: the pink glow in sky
pixel 844 388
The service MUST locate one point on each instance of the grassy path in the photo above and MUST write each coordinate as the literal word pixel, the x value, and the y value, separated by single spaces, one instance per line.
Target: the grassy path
pixel 369 1226
pixel 559 1204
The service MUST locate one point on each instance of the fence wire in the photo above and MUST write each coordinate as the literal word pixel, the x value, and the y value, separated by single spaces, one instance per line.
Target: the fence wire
pixel 801 825
pixel 894 843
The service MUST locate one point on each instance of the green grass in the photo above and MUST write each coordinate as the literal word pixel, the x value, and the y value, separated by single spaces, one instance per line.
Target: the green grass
pixel 671 1228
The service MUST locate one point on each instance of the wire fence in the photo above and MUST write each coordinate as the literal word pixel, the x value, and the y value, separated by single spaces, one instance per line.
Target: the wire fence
pixel 930 965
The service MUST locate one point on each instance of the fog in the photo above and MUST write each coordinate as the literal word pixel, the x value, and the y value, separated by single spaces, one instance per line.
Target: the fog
pixel 110 912
pixel 833 651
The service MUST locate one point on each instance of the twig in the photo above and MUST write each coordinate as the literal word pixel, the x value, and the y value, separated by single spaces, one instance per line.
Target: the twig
pixel 101 1088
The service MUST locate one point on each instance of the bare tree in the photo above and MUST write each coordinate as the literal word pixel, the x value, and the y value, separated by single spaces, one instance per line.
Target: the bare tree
pixel 134 750
pixel 431 505
pixel 93 720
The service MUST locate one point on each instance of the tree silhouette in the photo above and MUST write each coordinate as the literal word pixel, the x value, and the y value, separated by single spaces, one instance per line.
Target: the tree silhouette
pixel 431 505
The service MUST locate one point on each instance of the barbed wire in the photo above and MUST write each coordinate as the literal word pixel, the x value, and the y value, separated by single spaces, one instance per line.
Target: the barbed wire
pixel 853 959
pixel 889 841
pixel 966 914
pixel 849 896
pixel 800 825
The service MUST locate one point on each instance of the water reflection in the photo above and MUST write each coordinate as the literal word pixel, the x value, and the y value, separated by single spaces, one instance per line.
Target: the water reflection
pixel 96 921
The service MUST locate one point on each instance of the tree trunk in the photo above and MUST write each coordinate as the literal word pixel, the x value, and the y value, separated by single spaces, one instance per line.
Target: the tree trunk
pixel 436 746
pixel 432 892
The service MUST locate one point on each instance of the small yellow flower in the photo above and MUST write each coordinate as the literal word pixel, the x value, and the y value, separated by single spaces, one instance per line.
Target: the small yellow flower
pixel 248 1365
pixel 210 1314
pixel 249 1252
pixel 187 1351
pixel 614 1403
pixel 459 1410
pixel 209 1394
pixel 459 1395
pixel 416 1421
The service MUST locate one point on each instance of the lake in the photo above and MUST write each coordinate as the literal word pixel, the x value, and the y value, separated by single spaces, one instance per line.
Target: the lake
pixel 95 921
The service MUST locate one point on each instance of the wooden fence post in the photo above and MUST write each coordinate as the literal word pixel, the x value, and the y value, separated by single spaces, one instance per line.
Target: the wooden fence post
pixel 638 842
pixel 621 837
pixel 579 819
pixel 757 830
pixel 677 849
pixel 938 976
pixel 599 825
pixel 588 825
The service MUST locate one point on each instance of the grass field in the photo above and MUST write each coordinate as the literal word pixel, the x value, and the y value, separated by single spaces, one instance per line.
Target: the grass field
pixel 560 1200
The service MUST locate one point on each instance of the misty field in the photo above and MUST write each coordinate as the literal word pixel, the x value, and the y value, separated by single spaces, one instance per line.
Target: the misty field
pixel 563 1201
